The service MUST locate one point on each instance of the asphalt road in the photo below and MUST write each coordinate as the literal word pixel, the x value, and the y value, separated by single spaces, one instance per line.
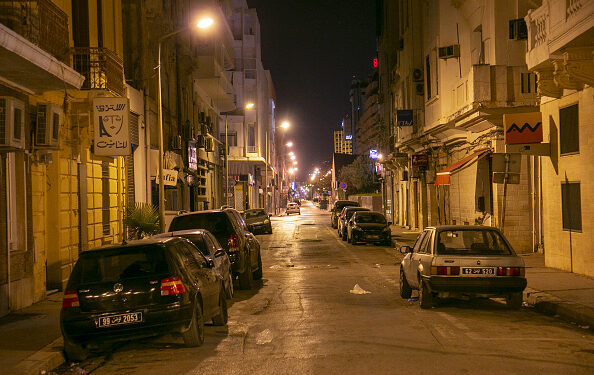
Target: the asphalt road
pixel 302 319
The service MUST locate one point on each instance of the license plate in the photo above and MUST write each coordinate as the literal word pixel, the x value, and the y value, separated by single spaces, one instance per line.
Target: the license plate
pixel 372 236
pixel 119 319
pixel 478 271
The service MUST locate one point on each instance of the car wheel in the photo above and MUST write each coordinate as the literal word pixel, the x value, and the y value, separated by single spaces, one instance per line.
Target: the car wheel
pixel 221 318
pixel 229 290
pixel 194 336
pixel 270 229
pixel 246 278
pixel 258 273
pixel 405 289
pixel 425 296
pixel 74 352
pixel 514 300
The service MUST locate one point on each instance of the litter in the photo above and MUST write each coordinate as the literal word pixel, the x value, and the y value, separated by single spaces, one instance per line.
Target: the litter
pixel 264 337
pixel 358 290
pixel 412 299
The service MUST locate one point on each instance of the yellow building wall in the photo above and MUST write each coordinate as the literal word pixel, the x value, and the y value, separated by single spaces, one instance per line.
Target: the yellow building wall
pixel 569 251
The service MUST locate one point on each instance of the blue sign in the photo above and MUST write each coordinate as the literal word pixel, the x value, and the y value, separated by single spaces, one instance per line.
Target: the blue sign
pixel 343 185
pixel 404 117
pixel 348 137
pixel 373 153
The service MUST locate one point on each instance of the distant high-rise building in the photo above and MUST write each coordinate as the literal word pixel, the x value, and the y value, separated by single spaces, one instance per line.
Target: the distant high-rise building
pixel 343 144
pixel 357 98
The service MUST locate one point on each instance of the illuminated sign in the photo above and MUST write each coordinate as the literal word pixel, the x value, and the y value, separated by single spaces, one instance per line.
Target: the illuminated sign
pixel 192 157
pixel 348 137
pixel 373 153
pixel 523 127
pixel 111 136
pixel 404 117
pixel 375 62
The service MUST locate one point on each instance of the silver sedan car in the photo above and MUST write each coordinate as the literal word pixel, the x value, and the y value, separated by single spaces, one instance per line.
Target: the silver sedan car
pixel 462 260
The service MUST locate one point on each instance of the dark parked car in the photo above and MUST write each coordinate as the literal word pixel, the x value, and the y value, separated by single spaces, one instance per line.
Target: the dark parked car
pixel 231 231
pixel 338 206
pixel 369 226
pixel 344 217
pixel 139 289
pixel 208 246
pixel 462 260
pixel 257 220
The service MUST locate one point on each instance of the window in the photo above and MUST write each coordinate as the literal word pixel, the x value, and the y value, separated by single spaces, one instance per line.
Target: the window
pixel 569 139
pixel 424 248
pixel 528 84
pixel 231 138
pixel 571 206
pixel 420 239
pixel 15 201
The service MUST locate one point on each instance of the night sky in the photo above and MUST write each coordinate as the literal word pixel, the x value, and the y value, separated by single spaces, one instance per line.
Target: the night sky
pixel 313 48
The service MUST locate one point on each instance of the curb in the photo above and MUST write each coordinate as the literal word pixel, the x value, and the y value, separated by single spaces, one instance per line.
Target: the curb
pixel 43 361
pixel 571 312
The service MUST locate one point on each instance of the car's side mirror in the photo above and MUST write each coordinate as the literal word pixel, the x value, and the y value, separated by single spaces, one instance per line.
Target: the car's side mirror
pixel 219 253
pixel 406 249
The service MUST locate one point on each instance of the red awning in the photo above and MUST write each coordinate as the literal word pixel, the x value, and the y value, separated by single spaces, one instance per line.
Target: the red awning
pixel 443 176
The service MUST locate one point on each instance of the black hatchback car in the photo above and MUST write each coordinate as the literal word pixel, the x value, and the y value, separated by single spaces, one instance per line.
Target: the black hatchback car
pixel 337 209
pixel 231 231
pixel 257 220
pixel 369 226
pixel 142 288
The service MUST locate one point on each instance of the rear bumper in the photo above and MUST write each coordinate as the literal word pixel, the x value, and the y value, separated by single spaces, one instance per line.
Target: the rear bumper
pixel 477 285
pixel 80 328
pixel 372 237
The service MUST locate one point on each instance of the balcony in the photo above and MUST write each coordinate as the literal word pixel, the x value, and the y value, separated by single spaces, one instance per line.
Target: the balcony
pixel 101 67
pixel 215 81
pixel 40 22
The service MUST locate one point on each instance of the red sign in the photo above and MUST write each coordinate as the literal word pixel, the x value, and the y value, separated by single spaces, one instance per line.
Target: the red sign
pixel 375 64
pixel 523 128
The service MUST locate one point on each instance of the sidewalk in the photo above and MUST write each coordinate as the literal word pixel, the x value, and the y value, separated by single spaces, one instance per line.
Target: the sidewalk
pixel 30 339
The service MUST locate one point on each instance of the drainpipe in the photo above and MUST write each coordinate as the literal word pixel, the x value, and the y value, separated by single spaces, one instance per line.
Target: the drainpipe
pixel 147 149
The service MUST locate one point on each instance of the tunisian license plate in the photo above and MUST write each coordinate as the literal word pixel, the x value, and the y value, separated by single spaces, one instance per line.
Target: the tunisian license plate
pixel 478 271
pixel 119 319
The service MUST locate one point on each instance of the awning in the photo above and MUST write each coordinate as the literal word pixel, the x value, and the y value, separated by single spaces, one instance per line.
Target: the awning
pixel 443 176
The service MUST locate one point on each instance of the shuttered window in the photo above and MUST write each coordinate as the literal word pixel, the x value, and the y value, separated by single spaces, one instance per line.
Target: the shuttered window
pixel 571 206
pixel 569 139
pixel 105 211
pixel 131 189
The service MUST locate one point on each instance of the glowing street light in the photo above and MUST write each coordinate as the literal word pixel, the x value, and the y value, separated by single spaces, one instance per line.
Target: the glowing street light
pixel 285 125
pixel 294 162
pixel 205 23
pixel 249 106
pixel 289 144
pixel 291 153
pixel 293 157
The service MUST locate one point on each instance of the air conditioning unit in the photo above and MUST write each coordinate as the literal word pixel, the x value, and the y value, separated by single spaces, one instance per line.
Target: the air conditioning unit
pixel 12 123
pixel 176 142
pixel 417 75
pixel 448 52
pixel 47 131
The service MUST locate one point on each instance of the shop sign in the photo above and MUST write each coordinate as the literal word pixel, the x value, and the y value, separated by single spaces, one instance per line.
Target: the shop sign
pixel 110 118
pixel 404 117
pixel 192 156
pixel 420 160
pixel 523 127
pixel 169 177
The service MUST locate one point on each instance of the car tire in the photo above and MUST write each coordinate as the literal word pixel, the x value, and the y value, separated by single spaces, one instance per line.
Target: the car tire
pixel 425 296
pixel 246 278
pixel 74 352
pixel 223 316
pixel 405 289
pixel 229 290
pixel 514 300
pixel 270 229
pixel 194 335
pixel 257 275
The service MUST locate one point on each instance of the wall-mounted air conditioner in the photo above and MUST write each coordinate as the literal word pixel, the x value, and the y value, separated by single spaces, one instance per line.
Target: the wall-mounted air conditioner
pixel 47 130
pixel 448 52
pixel 12 123
pixel 417 75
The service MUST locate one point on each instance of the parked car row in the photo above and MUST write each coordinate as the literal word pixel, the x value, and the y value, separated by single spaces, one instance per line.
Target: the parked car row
pixel 358 224
pixel 173 282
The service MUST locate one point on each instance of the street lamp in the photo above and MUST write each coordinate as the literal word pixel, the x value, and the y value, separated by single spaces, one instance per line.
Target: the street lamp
pixel 203 23
pixel 289 144
pixel 285 125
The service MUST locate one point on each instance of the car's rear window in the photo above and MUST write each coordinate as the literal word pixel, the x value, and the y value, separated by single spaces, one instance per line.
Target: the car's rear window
pixel 119 263
pixel 471 242
pixel 370 217
pixel 198 240
pixel 340 205
pixel 349 213
pixel 254 213
pixel 216 223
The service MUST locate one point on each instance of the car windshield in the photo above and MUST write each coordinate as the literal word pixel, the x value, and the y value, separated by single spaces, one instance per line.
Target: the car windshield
pixel 371 218
pixel 216 223
pixel 471 242
pixel 253 213
pixel 119 263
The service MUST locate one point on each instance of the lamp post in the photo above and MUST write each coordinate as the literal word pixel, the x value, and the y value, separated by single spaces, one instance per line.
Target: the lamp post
pixel 203 23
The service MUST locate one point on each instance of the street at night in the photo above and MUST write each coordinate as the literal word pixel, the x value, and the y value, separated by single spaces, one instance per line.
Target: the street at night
pixel 302 318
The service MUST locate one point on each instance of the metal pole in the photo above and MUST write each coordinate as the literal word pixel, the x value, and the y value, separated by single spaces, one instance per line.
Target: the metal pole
pixel 160 115
pixel 505 177
pixel 266 176
pixel 226 163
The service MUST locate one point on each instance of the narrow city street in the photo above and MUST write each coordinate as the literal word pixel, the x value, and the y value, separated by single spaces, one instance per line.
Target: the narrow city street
pixel 303 319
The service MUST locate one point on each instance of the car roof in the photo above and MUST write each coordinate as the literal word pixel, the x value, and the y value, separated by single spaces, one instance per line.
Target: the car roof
pixel 355 208
pixel 126 244
pixel 461 227
pixel 181 233
pixel 370 212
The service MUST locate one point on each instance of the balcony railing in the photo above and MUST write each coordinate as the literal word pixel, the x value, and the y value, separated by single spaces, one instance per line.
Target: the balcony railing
pixel 102 69
pixel 39 21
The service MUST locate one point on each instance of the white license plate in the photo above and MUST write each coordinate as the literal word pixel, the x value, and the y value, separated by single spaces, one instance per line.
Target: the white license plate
pixel 372 236
pixel 478 271
pixel 119 319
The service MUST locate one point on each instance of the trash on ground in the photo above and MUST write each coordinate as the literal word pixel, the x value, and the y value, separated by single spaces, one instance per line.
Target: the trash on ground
pixel 377 265
pixel 585 327
pixel 264 337
pixel 413 299
pixel 358 290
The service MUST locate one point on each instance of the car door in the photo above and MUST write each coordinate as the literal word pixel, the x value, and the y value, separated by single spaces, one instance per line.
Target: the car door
pixel 204 276
pixel 251 241
pixel 411 262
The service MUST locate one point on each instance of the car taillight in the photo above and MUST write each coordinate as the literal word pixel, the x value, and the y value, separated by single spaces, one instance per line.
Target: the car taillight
pixel 70 299
pixel 510 271
pixel 233 242
pixel 172 286
pixel 445 270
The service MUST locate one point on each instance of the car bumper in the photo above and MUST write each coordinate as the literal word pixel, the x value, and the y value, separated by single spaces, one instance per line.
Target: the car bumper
pixel 81 328
pixel 372 237
pixel 478 285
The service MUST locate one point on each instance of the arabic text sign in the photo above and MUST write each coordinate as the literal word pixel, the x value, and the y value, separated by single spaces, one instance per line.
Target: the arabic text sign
pixel 110 117
pixel 523 127
pixel 404 117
